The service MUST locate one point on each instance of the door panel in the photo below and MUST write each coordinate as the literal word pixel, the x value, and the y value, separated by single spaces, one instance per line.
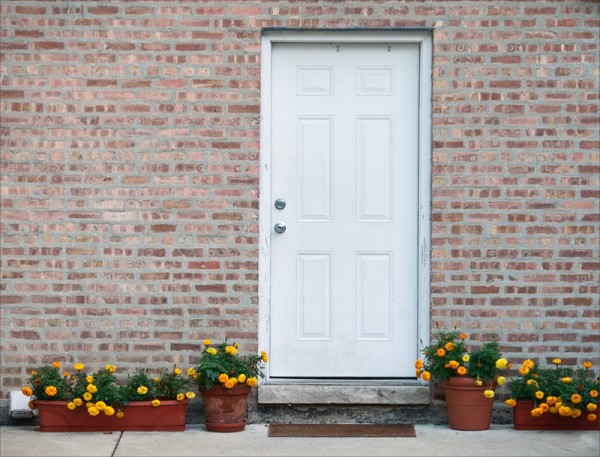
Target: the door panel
pixel 345 159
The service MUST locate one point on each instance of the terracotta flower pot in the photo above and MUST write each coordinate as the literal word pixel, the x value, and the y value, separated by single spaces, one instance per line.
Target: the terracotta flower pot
pixel 225 409
pixel 140 416
pixel 468 408
pixel 523 420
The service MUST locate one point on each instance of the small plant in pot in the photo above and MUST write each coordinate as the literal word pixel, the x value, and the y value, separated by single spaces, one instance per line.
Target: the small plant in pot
pixel 555 398
pixel 225 379
pixel 469 378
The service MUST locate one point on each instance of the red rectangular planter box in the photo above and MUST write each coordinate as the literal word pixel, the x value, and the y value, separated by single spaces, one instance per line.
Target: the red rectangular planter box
pixel 140 416
pixel 523 420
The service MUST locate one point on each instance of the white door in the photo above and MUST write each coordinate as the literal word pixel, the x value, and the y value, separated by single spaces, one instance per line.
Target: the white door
pixel 344 157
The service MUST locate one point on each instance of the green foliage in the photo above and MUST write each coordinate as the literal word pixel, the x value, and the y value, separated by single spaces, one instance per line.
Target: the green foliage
pixel 222 364
pixel 449 357
pixel 45 378
pixel 141 386
pixel 575 388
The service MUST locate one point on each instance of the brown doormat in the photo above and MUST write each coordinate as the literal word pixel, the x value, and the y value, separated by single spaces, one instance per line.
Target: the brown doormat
pixel 342 430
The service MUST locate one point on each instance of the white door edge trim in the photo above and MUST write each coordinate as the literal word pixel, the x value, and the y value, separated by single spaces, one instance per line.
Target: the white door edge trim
pixel 424 39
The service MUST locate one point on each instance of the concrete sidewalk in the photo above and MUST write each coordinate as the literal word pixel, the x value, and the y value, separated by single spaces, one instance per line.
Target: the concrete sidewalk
pixel 431 440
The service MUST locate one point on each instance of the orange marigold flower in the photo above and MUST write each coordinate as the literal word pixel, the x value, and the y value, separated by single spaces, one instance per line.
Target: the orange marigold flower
pixel 464 336
pixel 453 364
pixel 544 407
pixel 591 407
pixel 575 398
pixel 593 393
pixel 419 364
pixel 537 412
pixel 511 402
pixel 56 364
pixel 575 413
pixel 441 352
pixel 461 371
pixel 449 346
pixel 551 400
pixel 51 391
pixel 591 417
pixel 27 391
pixel 524 370
pixel 587 365
pixel 426 376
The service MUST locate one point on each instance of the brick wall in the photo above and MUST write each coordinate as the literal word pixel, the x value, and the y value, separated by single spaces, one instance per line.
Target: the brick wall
pixel 130 173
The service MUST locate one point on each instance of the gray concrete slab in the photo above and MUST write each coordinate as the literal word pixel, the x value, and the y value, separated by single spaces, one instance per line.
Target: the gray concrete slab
pixel 431 440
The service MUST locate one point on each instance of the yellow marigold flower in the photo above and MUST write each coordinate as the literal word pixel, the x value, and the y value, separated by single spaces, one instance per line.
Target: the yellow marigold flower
pixel 551 400
pixel 264 356
pixel 110 368
pixel 78 366
pixel 212 351
pixel 191 372
pixel 156 380
pixel 556 361
pixel 566 380
pixel 591 407
pixel 478 382
pixel 532 382
pixel 587 365
pixel 78 402
pixel 89 404
pixel 229 383
pixel 591 417
pixel 539 395
pixel 564 411
pixel 575 413
pixel 89 379
pixel 461 371
pixel 56 364
pixel 426 376
pixel 523 370
pixel 180 397
pixel 190 395
pixel 501 380
pixel 27 391
pixel 453 364
pixel 93 411
pixel 544 407
pixel 91 388
pixel 109 411
pixel 553 409
pixel 71 405
pixel 501 363
pixel 528 363
pixel 87 396
pixel 537 412
pixel 575 398
pixel 511 402
pixel 207 342
pixel 223 378
pixel 489 393
pixel 100 405
pixel 156 402
pixel 177 371
pixel 231 350
pixel 593 393
pixel 51 391
pixel 251 381
pixel 142 390
pixel 441 352
pixel 242 378
pixel 120 414
pixel 463 336
pixel 466 358
pixel 449 346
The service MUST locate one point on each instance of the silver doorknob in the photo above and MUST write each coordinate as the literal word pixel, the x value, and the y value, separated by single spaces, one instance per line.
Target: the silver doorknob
pixel 279 227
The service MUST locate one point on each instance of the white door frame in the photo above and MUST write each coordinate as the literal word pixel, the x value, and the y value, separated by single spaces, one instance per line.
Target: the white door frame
pixel 424 40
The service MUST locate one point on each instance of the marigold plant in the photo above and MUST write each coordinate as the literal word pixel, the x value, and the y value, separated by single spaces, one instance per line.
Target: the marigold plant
pixel 222 364
pixel 448 357
pixel 101 392
pixel 566 391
